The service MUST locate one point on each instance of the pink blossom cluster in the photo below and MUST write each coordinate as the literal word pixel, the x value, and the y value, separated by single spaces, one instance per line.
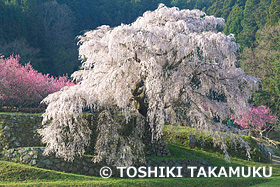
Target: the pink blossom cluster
pixel 206 106
pixel 22 86
pixel 257 117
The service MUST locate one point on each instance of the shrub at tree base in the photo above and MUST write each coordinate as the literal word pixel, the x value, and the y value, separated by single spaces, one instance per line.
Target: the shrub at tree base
pixel 22 86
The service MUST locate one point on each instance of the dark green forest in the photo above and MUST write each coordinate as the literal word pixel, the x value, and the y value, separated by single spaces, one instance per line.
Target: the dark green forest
pixel 44 32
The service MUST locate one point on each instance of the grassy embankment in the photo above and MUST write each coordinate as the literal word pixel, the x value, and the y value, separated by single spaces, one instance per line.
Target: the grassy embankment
pixel 15 174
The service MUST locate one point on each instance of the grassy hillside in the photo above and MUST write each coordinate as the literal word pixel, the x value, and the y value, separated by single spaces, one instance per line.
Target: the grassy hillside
pixel 14 174
pixel 180 136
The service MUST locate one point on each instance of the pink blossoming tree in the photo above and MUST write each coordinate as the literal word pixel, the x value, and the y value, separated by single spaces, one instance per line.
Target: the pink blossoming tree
pixel 22 86
pixel 256 119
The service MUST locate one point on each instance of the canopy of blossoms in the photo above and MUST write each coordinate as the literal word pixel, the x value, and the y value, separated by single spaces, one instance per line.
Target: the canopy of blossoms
pixel 169 66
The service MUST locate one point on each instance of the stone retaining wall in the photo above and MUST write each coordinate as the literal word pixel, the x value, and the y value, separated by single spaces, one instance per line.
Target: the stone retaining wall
pixel 19 130
pixel 19 142
pixel 84 165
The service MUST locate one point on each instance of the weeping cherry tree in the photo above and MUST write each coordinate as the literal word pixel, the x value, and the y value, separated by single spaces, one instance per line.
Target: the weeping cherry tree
pixel 170 66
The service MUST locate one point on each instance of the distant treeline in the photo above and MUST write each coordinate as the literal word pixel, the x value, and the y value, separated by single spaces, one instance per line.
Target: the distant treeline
pixel 44 31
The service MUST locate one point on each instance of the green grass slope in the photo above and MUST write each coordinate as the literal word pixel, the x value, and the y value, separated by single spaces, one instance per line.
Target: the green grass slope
pixel 14 174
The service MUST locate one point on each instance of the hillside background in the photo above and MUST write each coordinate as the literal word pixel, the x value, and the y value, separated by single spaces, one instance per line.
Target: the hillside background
pixel 44 32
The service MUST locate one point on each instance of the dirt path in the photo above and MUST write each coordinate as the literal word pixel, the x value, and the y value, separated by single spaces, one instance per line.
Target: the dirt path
pixel 274 158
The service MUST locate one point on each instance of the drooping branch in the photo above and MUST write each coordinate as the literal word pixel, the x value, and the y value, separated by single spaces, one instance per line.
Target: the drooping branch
pixel 163 66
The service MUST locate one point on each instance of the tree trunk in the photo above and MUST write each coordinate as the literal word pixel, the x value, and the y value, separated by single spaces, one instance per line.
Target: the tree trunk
pixel 250 132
